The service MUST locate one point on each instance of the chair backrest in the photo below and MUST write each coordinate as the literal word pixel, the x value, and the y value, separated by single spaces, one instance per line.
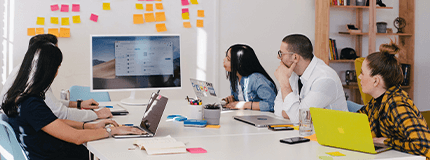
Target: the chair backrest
pixel 366 97
pixel 84 93
pixel 9 146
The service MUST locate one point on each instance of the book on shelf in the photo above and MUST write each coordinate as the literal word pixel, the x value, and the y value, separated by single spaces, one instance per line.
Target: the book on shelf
pixel 163 145
pixel 335 49
pixel 334 55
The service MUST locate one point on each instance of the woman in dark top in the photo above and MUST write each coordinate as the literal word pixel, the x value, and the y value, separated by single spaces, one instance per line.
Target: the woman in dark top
pixel 41 134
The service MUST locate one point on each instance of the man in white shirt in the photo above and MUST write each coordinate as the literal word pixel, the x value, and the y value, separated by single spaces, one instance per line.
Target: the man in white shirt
pixel 319 85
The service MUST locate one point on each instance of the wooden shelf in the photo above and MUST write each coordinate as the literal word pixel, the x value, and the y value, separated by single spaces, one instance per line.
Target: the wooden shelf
pixel 342 61
pixel 378 34
pixel 361 7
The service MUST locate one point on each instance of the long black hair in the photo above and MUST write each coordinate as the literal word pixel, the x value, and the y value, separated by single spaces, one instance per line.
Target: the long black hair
pixel 244 61
pixel 35 76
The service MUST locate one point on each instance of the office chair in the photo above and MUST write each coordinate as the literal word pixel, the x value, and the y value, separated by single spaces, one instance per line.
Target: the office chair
pixel 9 145
pixel 366 97
pixel 84 93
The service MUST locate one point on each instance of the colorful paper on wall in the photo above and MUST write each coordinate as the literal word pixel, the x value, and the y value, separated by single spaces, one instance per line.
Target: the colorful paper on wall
pixel 187 25
pixel 149 17
pixel 159 6
pixel 200 23
pixel 31 31
pixel 185 2
pixel 40 21
pixel 138 19
pixel 65 21
pixel 194 2
pixel 64 8
pixel 76 19
pixel 185 10
pixel 161 27
pixel 185 15
pixel 149 7
pixel 106 6
pixel 53 31
pixel 54 20
pixel 76 7
pixel 139 6
pixel 160 16
pixel 64 32
pixel 40 31
pixel 55 7
pixel 94 17
pixel 200 13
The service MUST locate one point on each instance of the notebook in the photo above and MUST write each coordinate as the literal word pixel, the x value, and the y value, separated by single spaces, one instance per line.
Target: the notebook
pixel 345 130
pixel 262 120
pixel 151 117
pixel 205 91
pixel 163 145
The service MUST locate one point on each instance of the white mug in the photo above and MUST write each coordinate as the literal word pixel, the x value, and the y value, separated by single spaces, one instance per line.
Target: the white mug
pixel 196 112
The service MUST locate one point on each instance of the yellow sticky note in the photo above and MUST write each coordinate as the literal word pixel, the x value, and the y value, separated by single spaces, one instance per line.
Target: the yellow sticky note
pixel 54 20
pixel 139 6
pixel 106 6
pixel 40 31
pixel 31 31
pixel 64 32
pixel 40 21
pixel 199 23
pixel 194 2
pixel 149 7
pixel 296 127
pixel 161 27
pixel 187 25
pixel 149 17
pixel 185 15
pixel 138 19
pixel 65 21
pixel 335 154
pixel 200 13
pixel 160 16
pixel 159 6
pixel 76 19
pixel 53 31
pixel 212 126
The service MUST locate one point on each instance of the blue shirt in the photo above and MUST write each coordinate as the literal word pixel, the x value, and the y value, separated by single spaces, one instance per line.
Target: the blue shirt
pixel 257 88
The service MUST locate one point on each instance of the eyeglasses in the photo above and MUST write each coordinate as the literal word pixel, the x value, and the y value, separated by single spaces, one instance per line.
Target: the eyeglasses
pixel 280 53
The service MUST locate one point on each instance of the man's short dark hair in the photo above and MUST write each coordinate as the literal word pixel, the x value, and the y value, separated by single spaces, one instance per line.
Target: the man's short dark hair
pixel 299 44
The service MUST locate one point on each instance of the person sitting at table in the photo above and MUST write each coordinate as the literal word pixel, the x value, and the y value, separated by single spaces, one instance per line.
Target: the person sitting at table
pixel 394 119
pixel 251 87
pixel 41 134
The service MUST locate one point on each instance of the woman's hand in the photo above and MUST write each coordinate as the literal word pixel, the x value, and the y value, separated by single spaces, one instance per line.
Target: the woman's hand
pixel 126 130
pixel 236 105
pixel 105 122
pixel 228 99
pixel 379 140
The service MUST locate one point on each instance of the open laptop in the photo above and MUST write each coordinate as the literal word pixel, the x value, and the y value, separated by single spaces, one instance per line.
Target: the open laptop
pixel 151 117
pixel 262 120
pixel 345 130
pixel 205 91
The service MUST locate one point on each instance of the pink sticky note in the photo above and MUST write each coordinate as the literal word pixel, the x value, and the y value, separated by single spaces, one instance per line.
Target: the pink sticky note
pixel 55 7
pixel 196 150
pixel 94 17
pixel 76 8
pixel 185 2
pixel 149 0
pixel 64 8
pixel 185 10
pixel 141 0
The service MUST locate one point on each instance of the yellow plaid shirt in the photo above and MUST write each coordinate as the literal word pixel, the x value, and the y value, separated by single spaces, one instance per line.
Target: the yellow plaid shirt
pixel 399 120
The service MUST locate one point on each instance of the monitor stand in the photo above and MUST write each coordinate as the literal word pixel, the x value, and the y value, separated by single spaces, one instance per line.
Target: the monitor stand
pixel 133 101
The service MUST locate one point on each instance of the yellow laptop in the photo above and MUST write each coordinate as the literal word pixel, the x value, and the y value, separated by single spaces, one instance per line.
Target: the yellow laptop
pixel 345 130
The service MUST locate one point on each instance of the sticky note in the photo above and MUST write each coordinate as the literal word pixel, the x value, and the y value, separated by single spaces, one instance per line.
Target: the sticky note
pixel 196 150
pixel 149 7
pixel 185 2
pixel 64 8
pixel 199 23
pixel 200 13
pixel 55 7
pixel 335 154
pixel 185 15
pixel 149 17
pixel 53 31
pixel 312 137
pixel 137 19
pixel 106 6
pixel 64 32
pixel 194 2
pixel 31 31
pixel 187 25
pixel 159 6
pixel 139 6
pixel 54 20
pixel 94 17
pixel 76 19
pixel 161 27
pixel 76 7
pixel 40 21
pixel 109 106
pixel 185 10
pixel 40 31
pixel 296 127
pixel 65 21
pixel 149 0
pixel 157 0
pixel 160 16
pixel 325 157
pixel 213 126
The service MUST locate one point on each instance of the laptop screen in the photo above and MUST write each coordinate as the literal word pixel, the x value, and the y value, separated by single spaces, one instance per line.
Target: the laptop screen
pixel 204 91
pixel 154 112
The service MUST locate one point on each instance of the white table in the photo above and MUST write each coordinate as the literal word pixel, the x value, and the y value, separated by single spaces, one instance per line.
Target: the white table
pixel 233 140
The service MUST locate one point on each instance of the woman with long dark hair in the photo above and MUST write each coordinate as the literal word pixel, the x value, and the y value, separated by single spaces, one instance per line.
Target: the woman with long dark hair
pixel 40 132
pixel 251 86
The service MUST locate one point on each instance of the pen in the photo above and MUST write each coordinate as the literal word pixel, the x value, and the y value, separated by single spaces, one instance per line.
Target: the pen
pixel 158 91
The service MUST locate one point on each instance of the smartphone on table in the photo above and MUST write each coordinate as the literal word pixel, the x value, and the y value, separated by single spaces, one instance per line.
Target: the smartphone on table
pixel 294 140
pixel 280 127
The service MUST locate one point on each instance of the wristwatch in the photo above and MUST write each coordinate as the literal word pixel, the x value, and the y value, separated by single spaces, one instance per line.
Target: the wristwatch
pixel 109 130
pixel 79 101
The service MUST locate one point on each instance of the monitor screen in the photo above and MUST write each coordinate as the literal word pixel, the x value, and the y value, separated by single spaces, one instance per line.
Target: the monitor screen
pixel 135 62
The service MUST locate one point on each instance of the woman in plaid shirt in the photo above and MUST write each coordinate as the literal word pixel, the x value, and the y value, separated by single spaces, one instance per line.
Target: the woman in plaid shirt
pixel 394 119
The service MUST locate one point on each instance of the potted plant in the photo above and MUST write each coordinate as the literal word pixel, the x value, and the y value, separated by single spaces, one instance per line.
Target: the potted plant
pixel 212 113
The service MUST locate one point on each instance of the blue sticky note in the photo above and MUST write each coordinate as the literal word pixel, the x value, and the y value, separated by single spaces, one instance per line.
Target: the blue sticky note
pixel 109 106
pixel 173 116
pixel 128 124
pixel 180 118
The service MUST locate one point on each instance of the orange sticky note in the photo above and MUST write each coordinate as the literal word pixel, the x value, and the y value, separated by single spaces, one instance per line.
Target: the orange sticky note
pixel 200 13
pixel 149 7
pixel 31 31
pixel 212 126
pixel 149 17
pixel 54 20
pixel 76 19
pixel 106 6
pixel 199 23
pixel 194 2
pixel 185 15
pixel 161 27
pixel 138 19
pixel 312 137
pixel 157 0
pixel 40 21
pixel 159 6
pixel 160 16
pixel 53 31
pixel 40 31
pixel 64 32
pixel 139 6
pixel 65 21
pixel 187 25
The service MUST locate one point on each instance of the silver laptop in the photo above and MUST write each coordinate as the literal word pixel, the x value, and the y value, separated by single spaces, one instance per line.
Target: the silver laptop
pixel 205 91
pixel 262 120
pixel 151 117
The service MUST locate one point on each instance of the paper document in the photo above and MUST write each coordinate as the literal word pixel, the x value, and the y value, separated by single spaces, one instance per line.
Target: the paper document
pixel 164 145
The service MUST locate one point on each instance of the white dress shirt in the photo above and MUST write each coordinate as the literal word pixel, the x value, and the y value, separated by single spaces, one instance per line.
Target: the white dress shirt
pixel 322 88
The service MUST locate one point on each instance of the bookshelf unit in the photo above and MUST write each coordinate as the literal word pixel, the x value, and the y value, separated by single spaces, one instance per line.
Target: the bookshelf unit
pixel 406 39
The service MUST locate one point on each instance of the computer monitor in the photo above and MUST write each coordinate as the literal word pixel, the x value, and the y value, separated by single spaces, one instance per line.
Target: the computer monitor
pixel 135 62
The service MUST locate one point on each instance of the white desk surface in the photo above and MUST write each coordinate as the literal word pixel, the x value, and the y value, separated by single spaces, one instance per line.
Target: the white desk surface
pixel 233 140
